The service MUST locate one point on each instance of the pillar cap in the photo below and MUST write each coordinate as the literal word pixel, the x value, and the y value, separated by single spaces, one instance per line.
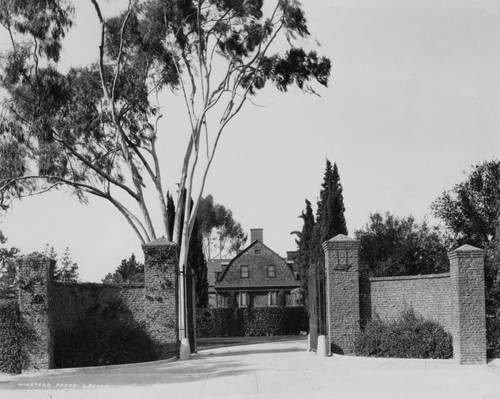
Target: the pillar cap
pixel 340 241
pixel 341 238
pixel 160 242
pixel 467 249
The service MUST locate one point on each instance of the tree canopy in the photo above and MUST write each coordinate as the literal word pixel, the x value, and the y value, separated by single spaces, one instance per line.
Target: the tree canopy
pixel 65 269
pixel 471 208
pixel 471 212
pixel 222 234
pixel 94 129
pixel 304 243
pixel 330 221
pixel 7 269
pixel 399 246
pixel 128 272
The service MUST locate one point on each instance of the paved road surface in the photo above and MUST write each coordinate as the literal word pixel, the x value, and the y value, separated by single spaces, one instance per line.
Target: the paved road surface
pixel 277 369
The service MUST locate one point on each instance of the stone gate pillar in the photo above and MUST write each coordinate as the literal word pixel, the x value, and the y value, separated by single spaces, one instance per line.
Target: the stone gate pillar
pixel 468 304
pixel 342 293
pixel 161 268
pixel 35 279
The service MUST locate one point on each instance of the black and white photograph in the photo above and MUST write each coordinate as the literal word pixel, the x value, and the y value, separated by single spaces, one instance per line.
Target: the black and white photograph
pixel 250 199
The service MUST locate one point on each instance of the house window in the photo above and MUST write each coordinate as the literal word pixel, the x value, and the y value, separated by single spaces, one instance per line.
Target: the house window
pixel 243 299
pixel 271 271
pixel 222 301
pixel 257 251
pixel 273 298
pixel 244 271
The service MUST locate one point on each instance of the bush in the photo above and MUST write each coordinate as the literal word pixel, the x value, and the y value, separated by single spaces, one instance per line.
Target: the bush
pixel 97 342
pixel 493 336
pixel 408 337
pixel 239 322
pixel 15 339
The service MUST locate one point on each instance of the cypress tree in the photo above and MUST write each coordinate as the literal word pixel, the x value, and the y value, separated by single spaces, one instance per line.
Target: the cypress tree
pixel 198 263
pixel 338 224
pixel 304 242
pixel 170 215
pixel 330 219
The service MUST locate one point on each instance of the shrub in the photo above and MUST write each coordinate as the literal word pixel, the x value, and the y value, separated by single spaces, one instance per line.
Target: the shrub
pixel 15 338
pixel 493 336
pixel 410 336
pixel 97 342
pixel 238 322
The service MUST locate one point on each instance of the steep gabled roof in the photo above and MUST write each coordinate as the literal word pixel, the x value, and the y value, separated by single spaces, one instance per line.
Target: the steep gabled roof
pixel 286 280
pixel 213 266
pixel 241 254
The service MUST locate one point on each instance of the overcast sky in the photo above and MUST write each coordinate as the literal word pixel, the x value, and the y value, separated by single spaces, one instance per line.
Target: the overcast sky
pixel 413 102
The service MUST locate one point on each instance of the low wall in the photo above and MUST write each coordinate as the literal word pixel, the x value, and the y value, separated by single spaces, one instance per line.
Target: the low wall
pixel 52 308
pixel 72 301
pixel 456 300
pixel 387 297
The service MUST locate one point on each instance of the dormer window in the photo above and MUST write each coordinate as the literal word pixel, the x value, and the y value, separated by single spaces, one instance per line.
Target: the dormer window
pixel 244 271
pixel 271 271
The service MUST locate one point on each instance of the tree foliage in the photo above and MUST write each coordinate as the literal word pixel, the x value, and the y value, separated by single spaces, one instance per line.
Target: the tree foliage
pixel 471 212
pixel 304 243
pixel 198 263
pixel 330 221
pixel 221 233
pixel 399 246
pixel 7 269
pixel 65 269
pixel 470 209
pixel 94 129
pixel 128 272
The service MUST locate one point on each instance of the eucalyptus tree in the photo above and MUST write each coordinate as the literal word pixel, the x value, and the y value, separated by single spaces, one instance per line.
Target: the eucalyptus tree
pixel 220 231
pixel 94 129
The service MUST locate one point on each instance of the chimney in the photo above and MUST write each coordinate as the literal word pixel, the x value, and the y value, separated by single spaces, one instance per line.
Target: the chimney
pixel 256 234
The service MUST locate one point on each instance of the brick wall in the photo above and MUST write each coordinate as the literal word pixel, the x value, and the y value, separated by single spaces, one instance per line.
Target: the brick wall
pixel 387 297
pixel 468 304
pixel 342 293
pixel 35 279
pixel 456 300
pixel 52 308
pixel 72 301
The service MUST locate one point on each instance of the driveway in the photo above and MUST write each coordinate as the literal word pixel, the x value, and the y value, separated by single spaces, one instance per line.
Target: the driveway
pixel 276 369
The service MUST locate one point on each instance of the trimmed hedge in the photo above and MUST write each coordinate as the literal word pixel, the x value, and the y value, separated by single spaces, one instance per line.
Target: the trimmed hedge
pixel 97 342
pixel 15 339
pixel 410 336
pixel 239 322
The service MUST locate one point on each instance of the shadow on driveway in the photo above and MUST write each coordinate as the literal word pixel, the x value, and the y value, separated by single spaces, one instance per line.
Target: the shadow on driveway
pixel 220 342
pixel 252 352
pixel 202 366
pixel 171 372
